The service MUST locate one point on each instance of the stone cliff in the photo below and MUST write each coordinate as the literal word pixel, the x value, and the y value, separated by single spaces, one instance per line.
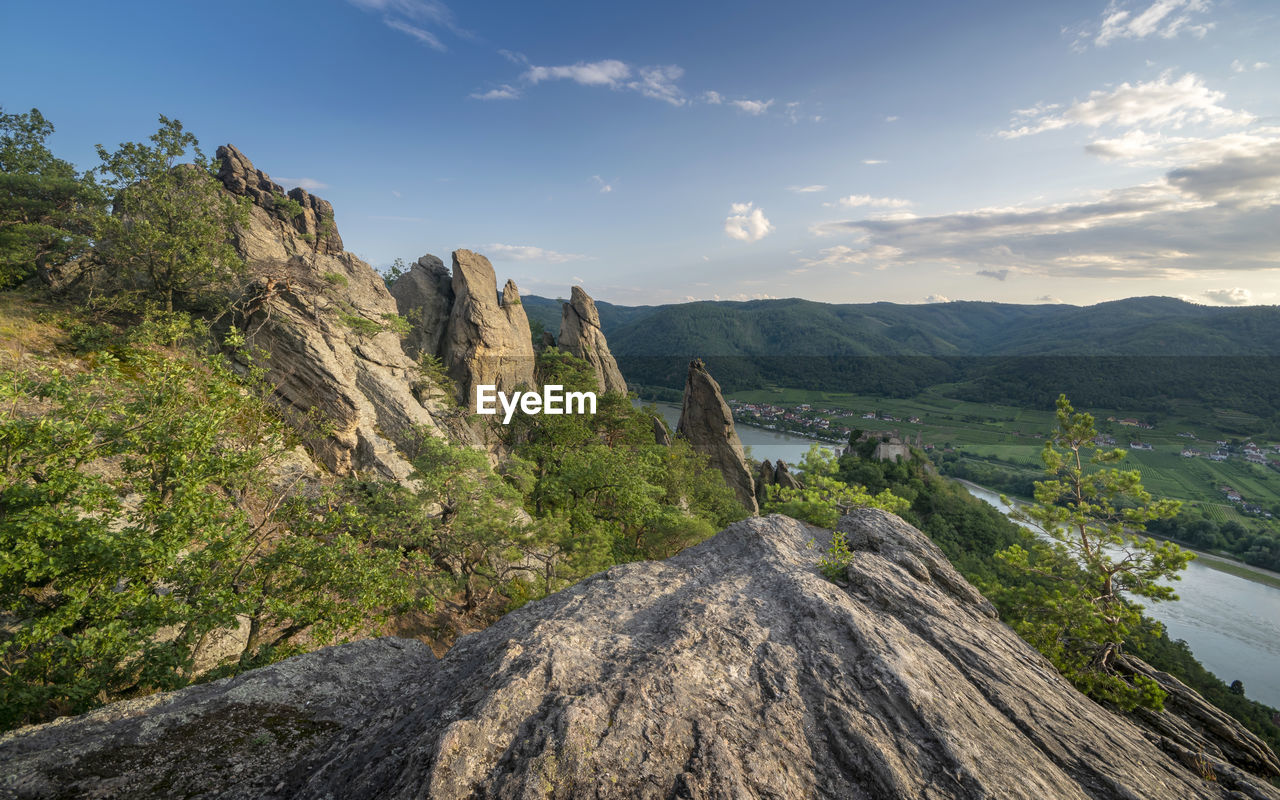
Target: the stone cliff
pixel 707 422
pixel 733 670
pixel 481 337
pixel 329 327
pixel 581 336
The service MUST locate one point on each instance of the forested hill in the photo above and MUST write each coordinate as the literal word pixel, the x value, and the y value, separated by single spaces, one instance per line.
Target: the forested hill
pixel 1133 352
pixel 1136 326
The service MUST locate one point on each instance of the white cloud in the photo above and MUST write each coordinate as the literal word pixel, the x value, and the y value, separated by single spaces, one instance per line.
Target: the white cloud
pixel 856 200
pixel 1159 103
pixel 1230 297
pixel 871 162
pixel 1139 147
pixel 659 83
pixel 937 298
pixel 843 254
pixel 605 187
pixel 712 98
pixel 753 107
pixel 310 184
pixel 1240 66
pixel 1164 18
pixel 894 118
pixel 503 92
pixel 409 17
pixel 747 223
pixel 1240 180
pixel 997 274
pixel 1211 217
pixel 813 187
pixel 1048 298
pixel 516 252
pixel 609 72
pixel 426 37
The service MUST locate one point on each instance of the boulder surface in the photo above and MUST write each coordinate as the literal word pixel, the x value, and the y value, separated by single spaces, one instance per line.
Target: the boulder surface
pixel 733 670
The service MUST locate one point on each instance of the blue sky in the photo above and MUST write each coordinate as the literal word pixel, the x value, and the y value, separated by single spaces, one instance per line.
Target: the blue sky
pixel 657 152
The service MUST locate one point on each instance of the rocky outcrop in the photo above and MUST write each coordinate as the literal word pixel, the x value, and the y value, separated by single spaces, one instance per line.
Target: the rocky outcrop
pixel 707 423
pixel 308 217
pixel 1190 726
pixel 424 296
pixel 580 335
pixel 661 436
pixel 330 329
pixel 764 478
pixel 733 670
pixel 783 477
pixel 487 340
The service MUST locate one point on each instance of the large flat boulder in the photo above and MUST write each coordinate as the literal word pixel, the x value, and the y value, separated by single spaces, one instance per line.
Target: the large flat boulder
pixel 733 670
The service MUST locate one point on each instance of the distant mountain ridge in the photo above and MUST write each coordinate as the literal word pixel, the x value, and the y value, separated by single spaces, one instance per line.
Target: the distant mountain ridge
pixel 1137 352
pixel 1134 326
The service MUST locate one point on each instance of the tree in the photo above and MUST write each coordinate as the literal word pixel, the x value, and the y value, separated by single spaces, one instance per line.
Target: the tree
pixel 1080 614
pixel 138 517
pixel 170 227
pixel 47 210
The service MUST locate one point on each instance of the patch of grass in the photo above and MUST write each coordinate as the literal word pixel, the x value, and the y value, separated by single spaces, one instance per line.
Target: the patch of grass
pixel 335 278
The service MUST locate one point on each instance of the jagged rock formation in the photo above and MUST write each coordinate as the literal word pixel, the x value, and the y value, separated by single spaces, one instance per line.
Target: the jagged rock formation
pixel 328 324
pixel 314 223
pixel 764 477
pixel 424 296
pixel 705 420
pixel 661 435
pixel 783 477
pixel 480 338
pixel 1189 725
pixel 581 336
pixel 487 340
pixel 733 670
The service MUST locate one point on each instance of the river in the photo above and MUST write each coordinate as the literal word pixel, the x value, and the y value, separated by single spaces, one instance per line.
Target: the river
pixel 1230 621
pixel 761 444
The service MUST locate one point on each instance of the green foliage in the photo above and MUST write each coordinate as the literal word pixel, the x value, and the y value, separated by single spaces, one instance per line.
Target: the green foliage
pixel 47 210
pixel 1078 616
pixel 825 498
pixel 170 228
pixel 394 272
pixel 367 327
pixel 137 517
pixel 396 324
pixel 290 207
pixel 603 489
pixel 335 278
pixel 359 324
pixel 835 562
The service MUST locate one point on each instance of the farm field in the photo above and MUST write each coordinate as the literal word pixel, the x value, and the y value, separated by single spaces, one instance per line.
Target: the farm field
pixel 1013 437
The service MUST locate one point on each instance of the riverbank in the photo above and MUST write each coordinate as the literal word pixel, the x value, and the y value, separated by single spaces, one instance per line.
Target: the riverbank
pixel 1216 561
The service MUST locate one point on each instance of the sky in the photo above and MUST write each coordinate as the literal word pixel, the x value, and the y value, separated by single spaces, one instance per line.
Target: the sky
pixel 1022 152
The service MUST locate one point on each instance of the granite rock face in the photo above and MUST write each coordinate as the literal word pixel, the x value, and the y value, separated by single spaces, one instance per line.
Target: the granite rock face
pixel 327 322
pixel 487 340
pixel 580 335
pixel 424 296
pixel 706 421
pixel 733 670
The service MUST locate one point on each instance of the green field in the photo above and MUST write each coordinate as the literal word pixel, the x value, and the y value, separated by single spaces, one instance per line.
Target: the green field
pixel 1013 437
